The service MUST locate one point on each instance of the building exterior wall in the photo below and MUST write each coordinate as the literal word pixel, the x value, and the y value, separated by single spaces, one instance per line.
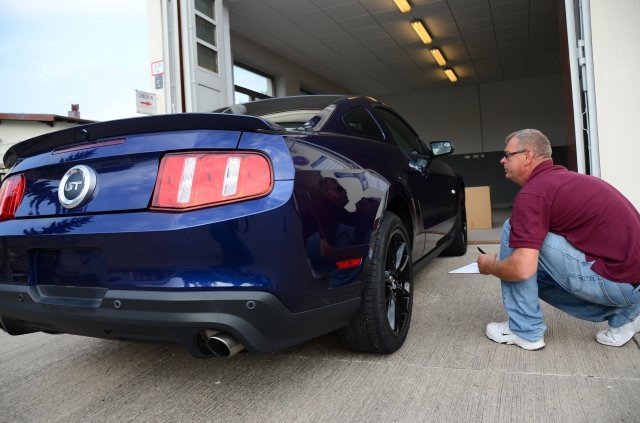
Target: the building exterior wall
pixel 185 84
pixel 14 131
pixel 615 27
pixel 156 55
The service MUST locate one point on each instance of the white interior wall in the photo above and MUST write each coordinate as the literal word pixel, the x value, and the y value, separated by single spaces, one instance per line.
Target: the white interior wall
pixel 475 117
pixel 443 114
pixel 615 29
pixel 289 76
pixel 523 103
pixel 478 117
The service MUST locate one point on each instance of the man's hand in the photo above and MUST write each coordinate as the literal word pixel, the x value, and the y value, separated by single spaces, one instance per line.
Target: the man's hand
pixel 487 263
pixel 521 265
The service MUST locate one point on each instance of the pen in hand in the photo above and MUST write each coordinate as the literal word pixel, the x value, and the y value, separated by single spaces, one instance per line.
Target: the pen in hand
pixel 481 252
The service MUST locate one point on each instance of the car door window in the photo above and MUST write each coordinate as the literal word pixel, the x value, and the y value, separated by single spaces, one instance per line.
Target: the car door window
pixel 361 123
pixel 406 139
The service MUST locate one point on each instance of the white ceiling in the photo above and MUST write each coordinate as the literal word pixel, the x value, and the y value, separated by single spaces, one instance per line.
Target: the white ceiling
pixel 369 47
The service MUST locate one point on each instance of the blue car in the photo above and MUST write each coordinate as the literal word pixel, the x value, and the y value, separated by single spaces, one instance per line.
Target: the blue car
pixel 258 226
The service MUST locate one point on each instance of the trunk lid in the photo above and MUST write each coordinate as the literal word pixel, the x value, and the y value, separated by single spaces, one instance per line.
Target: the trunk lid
pixel 123 156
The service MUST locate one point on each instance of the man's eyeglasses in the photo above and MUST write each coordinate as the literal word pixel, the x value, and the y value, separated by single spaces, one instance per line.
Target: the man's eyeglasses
pixel 508 154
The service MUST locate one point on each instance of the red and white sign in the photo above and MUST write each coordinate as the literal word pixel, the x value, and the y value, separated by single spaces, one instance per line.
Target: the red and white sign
pixel 157 68
pixel 145 103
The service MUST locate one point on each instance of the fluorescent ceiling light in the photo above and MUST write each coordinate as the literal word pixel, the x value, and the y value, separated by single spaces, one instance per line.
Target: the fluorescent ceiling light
pixel 437 54
pixel 421 30
pixel 451 75
pixel 403 5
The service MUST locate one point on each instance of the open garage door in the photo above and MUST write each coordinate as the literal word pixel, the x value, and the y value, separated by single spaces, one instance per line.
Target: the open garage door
pixel 196 52
pixel 581 91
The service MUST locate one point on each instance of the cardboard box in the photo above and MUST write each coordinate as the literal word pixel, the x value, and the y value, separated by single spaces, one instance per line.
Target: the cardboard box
pixel 478 204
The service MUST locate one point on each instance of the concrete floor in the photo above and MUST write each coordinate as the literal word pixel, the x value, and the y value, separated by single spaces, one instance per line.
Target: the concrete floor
pixel 446 371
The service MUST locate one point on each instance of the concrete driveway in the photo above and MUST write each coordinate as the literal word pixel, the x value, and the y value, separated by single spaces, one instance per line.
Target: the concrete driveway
pixel 446 371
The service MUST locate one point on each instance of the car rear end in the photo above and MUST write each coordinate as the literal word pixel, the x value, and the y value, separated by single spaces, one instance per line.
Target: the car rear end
pixel 178 228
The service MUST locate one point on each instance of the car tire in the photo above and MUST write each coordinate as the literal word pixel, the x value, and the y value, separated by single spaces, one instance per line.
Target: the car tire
pixel 382 321
pixel 458 246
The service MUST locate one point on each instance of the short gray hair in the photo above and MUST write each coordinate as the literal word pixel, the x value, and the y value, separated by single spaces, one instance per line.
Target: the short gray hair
pixel 533 140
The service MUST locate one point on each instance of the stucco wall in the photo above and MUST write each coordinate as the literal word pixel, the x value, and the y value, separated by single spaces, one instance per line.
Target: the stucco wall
pixel 616 59
pixel 12 132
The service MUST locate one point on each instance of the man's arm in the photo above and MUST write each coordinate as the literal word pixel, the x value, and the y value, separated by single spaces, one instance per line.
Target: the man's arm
pixel 521 265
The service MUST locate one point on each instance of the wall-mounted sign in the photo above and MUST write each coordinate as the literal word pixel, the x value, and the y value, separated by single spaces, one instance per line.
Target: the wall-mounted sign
pixel 157 68
pixel 145 103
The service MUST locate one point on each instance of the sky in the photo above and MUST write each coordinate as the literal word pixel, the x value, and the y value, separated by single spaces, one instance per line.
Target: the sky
pixel 54 53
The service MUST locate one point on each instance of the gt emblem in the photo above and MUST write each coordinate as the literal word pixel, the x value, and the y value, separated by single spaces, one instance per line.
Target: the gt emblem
pixel 77 186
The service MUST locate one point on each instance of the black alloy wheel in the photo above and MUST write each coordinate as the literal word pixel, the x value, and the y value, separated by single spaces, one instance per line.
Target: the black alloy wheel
pixel 382 321
pixel 397 282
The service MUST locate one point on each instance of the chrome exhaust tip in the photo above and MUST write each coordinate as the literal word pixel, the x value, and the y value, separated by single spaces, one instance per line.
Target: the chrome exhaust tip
pixel 221 343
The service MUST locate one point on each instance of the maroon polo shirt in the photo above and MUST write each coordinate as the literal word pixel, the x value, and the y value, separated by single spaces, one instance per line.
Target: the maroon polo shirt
pixel 591 214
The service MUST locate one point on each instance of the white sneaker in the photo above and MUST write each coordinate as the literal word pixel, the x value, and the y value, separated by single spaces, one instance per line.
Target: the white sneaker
pixel 617 337
pixel 500 333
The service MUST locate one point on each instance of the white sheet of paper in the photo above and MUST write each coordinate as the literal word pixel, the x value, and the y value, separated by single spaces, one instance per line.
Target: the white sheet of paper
pixel 469 268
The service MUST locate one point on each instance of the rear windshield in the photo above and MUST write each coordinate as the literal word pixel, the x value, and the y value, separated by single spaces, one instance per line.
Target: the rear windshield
pixel 288 112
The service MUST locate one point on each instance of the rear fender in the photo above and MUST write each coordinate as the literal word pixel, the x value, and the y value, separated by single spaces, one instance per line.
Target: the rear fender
pixel 275 147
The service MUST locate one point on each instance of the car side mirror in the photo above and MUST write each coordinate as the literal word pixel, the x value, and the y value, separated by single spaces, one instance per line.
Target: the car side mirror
pixel 440 148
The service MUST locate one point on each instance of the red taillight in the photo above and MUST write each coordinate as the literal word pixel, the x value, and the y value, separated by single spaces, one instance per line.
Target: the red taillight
pixel 191 180
pixel 11 195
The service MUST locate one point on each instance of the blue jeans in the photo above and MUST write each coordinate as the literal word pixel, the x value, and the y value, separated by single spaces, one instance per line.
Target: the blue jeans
pixel 565 280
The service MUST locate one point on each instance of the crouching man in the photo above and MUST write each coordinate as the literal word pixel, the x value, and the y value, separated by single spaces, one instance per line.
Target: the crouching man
pixel 572 240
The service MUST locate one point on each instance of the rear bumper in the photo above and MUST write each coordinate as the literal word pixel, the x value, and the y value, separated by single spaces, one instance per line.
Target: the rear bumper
pixel 257 319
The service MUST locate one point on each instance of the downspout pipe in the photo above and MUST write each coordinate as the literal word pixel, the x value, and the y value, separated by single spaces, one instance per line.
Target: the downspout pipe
pixel 575 84
pixel 594 144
